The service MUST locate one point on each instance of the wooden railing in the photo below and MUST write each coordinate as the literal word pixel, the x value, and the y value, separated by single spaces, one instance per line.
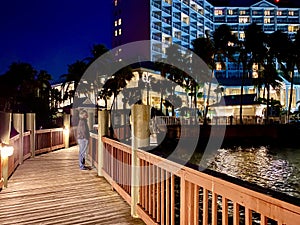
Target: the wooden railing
pixel 174 194
pixel 46 140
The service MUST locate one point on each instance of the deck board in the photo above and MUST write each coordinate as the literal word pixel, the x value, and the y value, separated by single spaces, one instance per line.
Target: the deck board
pixel 50 189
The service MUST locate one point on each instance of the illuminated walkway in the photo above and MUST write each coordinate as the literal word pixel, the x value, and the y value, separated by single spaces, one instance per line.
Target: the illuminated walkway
pixel 50 189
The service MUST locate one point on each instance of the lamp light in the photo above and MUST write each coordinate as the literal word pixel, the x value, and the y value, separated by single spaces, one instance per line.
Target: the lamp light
pixel 6 150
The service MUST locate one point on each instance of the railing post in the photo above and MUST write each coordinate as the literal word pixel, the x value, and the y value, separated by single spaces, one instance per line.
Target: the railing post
pixel 91 118
pixel 18 121
pixel 140 138
pixel 66 131
pixel 102 131
pixel 30 125
pixel 5 128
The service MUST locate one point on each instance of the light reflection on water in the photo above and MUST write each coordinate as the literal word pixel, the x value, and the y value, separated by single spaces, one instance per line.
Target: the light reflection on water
pixel 276 169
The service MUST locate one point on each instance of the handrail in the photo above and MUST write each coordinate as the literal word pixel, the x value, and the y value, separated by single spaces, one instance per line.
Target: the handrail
pixel 49 140
pixel 46 140
pixel 183 194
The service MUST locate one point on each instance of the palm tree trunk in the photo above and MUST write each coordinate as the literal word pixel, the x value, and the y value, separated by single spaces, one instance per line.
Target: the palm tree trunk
pixel 207 101
pixel 291 96
pixel 241 97
pixel 268 101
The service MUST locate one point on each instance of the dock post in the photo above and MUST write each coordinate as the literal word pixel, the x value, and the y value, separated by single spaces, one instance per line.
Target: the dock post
pixel 102 131
pixel 30 125
pixel 140 138
pixel 67 130
pixel 5 129
pixel 18 123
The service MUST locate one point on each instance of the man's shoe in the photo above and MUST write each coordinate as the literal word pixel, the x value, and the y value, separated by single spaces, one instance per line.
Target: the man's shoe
pixel 84 168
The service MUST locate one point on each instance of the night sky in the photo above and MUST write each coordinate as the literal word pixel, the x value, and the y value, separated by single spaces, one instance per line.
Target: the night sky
pixel 50 34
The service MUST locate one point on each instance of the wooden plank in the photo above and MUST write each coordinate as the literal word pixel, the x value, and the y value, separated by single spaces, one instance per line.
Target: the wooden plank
pixel 214 208
pixel 248 216
pixel 183 207
pixel 50 189
pixel 205 207
pixel 196 204
pixel 163 200
pixel 263 220
pixel 158 194
pixel 236 213
pixel 172 199
pixel 224 211
pixel 168 197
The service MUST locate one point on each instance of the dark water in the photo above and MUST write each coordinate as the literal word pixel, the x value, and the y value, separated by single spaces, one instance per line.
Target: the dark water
pixel 275 169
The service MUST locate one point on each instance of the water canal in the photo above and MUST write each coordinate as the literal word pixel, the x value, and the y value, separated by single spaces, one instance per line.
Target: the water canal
pixel 273 168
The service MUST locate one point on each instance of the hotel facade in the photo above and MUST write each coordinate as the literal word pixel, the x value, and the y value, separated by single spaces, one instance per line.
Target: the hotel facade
pixel 165 22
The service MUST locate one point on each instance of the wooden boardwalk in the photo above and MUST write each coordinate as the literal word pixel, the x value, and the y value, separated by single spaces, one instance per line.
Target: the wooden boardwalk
pixel 50 189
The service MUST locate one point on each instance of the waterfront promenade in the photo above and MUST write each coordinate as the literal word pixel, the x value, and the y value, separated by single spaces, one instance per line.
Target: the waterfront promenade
pixel 50 189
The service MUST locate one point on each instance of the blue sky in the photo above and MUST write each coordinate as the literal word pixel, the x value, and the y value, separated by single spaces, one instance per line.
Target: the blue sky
pixel 50 34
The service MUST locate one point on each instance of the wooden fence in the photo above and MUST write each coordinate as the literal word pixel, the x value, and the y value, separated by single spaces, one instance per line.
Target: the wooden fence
pixel 174 194
pixel 45 140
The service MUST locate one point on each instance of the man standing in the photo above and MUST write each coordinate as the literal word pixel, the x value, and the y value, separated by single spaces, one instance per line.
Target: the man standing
pixel 83 135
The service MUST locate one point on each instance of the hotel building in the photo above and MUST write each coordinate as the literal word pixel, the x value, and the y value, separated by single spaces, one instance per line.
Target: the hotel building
pixel 164 22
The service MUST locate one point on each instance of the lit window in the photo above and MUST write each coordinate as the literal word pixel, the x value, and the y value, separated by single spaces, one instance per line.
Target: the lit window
pixel 218 12
pixel 267 20
pixel 254 75
pixel 279 13
pixel 116 23
pixel 267 12
pixel 120 21
pixel 291 13
pixel 218 66
pixel 116 2
pixel 255 67
pixel 116 33
pixel 242 35
pixel 255 70
pixel 230 12
pixel 293 28
pixel 244 20
pixel 242 12
pixel 120 31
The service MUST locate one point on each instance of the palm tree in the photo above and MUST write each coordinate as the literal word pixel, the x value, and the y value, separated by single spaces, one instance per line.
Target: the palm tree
pixel 43 84
pixel 215 48
pixel 114 85
pixel 75 72
pixel 17 85
pixel 287 53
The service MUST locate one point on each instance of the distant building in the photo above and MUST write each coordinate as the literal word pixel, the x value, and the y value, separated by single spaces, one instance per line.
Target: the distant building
pixel 164 22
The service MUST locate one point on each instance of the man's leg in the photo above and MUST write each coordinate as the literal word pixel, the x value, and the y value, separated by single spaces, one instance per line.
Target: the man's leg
pixel 82 148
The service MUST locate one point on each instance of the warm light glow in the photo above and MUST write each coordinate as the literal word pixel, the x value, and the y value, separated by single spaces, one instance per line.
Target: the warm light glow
pixel 242 35
pixel 7 151
pixel 218 66
pixel 66 131
pixel 245 19
pixel 267 20
pixel 267 12
pixel 218 12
